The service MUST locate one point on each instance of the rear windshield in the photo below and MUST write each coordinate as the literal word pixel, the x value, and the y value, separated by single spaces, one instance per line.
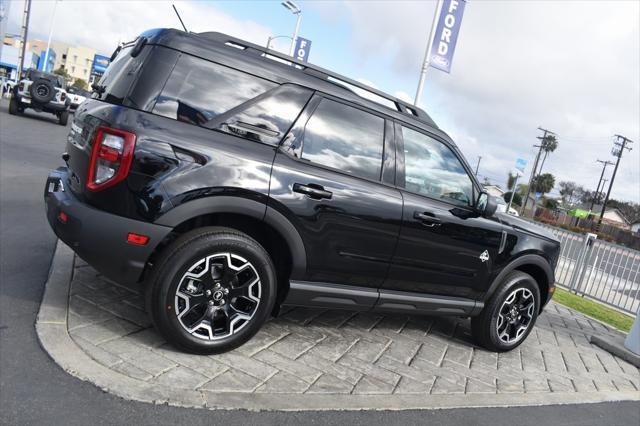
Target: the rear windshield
pixel 34 75
pixel 198 91
pixel 77 91
pixel 119 76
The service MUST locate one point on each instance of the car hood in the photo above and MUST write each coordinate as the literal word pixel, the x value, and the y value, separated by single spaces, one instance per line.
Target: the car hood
pixel 526 226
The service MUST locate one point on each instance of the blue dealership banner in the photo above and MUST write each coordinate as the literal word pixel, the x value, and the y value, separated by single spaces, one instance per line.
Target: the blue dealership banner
pixel 303 46
pixel 100 64
pixel 444 40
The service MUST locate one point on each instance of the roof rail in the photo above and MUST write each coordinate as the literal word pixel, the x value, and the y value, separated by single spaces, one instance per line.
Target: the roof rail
pixel 354 86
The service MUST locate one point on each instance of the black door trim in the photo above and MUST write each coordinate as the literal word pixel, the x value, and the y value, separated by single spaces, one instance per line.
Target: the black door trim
pixel 337 296
pixel 326 295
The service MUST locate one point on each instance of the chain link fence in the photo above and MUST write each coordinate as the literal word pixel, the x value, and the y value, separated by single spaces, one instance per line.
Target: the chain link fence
pixel 606 272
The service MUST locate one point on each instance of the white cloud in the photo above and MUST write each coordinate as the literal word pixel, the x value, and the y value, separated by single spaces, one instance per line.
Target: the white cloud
pixel 102 24
pixel 572 67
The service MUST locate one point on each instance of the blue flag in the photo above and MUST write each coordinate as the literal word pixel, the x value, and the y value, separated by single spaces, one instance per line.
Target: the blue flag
pixel 446 35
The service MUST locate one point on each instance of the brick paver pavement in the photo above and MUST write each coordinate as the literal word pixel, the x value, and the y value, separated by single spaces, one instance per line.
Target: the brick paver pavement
pixel 315 351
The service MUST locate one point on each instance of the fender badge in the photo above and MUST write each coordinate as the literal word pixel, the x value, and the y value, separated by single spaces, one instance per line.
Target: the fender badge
pixel 484 256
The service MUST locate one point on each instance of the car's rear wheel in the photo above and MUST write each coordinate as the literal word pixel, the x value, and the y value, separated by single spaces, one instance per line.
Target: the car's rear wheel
pixel 509 316
pixel 13 106
pixel 212 290
pixel 63 118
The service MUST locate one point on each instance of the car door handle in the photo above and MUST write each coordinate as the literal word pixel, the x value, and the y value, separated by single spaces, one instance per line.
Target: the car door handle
pixel 312 190
pixel 427 218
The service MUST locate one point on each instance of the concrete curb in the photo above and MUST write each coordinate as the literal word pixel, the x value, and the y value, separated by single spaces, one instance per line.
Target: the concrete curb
pixel 51 327
pixel 617 348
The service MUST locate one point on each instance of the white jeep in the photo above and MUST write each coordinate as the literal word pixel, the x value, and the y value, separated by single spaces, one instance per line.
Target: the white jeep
pixel 42 92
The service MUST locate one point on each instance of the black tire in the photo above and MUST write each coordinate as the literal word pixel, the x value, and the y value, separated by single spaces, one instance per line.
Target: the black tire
pixel 42 91
pixel 13 106
pixel 496 314
pixel 63 118
pixel 180 258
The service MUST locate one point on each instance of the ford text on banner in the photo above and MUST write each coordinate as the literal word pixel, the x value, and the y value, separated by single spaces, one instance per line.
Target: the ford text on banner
pixel 444 40
pixel 303 46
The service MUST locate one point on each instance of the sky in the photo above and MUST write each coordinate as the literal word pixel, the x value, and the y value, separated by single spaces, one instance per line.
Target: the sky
pixel 572 67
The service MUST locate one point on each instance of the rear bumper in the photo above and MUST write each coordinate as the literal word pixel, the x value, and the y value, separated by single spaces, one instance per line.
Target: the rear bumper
pixel 27 102
pixel 98 237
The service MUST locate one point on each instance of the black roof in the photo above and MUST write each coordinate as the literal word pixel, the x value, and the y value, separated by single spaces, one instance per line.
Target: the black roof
pixel 275 66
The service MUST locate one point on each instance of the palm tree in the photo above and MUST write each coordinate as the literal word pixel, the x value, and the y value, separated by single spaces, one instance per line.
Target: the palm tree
pixel 549 144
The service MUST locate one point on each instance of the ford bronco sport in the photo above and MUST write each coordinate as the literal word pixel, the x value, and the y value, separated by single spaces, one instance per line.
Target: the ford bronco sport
pixel 42 92
pixel 233 180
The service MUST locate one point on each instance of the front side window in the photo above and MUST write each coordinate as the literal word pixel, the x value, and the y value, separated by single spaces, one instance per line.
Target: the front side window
pixel 433 170
pixel 345 138
pixel 198 91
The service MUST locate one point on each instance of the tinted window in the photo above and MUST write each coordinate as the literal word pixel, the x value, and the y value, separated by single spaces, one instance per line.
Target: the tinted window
pixel 268 118
pixel 199 90
pixel 345 138
pixel 432 169
pixel 120 74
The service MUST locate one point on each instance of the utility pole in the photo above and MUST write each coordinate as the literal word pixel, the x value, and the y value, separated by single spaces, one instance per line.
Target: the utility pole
pixel 478 165
pixel 535 166
pixel 596 195
pixel 617 151
pixel 25 30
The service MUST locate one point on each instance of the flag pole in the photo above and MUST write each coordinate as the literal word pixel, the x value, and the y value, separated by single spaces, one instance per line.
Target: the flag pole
pixel 427 53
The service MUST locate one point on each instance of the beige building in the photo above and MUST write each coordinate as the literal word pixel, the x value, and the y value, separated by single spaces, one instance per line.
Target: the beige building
pixel 78 62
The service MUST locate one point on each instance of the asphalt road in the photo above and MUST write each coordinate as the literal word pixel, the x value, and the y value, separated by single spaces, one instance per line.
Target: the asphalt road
pixel 33 390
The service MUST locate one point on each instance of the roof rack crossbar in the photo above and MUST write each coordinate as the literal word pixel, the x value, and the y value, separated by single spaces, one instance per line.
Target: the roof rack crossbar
pixel 317 71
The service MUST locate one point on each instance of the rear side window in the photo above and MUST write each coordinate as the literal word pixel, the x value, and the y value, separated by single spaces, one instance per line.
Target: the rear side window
pixel 269 117
pixel 198 91
pixel 119 76
pixel 344 138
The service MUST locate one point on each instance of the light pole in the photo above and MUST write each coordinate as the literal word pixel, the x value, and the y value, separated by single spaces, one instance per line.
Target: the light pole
pixel 270 39
pixel 427 54
pixel 293 8
pixel 46 52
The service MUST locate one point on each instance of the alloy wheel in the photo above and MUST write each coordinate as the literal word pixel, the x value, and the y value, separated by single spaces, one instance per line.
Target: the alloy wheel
pixel 515 315
pixel 217 296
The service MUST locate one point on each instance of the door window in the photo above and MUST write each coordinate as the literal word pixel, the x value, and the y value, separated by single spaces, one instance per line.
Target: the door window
pixel 433 170
pixel 344 138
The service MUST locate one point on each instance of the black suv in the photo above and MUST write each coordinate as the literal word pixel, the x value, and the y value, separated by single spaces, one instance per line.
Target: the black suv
pixel 41 91
pixel 233 180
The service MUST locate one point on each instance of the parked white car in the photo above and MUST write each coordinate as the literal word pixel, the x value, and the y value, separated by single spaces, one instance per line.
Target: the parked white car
pixel 502 207
pixel 77 96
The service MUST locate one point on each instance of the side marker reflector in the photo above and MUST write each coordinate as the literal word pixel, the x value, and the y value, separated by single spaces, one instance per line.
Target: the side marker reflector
pixel 137 239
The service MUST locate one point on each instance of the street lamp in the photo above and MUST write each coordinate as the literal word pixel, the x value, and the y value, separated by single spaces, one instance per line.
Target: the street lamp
pixel 270 39
pixel 46 54
pixel 293 8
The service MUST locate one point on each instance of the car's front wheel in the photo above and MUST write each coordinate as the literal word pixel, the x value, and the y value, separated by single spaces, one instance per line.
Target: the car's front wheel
pixel 212 290
pixel 509 316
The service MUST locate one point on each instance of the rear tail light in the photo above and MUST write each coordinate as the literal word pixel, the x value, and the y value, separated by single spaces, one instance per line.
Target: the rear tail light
pixel 111 158
pixel 21 87
pixel 63 96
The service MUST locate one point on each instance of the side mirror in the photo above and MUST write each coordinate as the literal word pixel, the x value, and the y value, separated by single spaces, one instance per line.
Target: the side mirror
pixel 486 205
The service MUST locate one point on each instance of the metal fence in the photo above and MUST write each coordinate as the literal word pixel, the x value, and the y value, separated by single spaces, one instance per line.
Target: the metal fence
pixel 602 271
